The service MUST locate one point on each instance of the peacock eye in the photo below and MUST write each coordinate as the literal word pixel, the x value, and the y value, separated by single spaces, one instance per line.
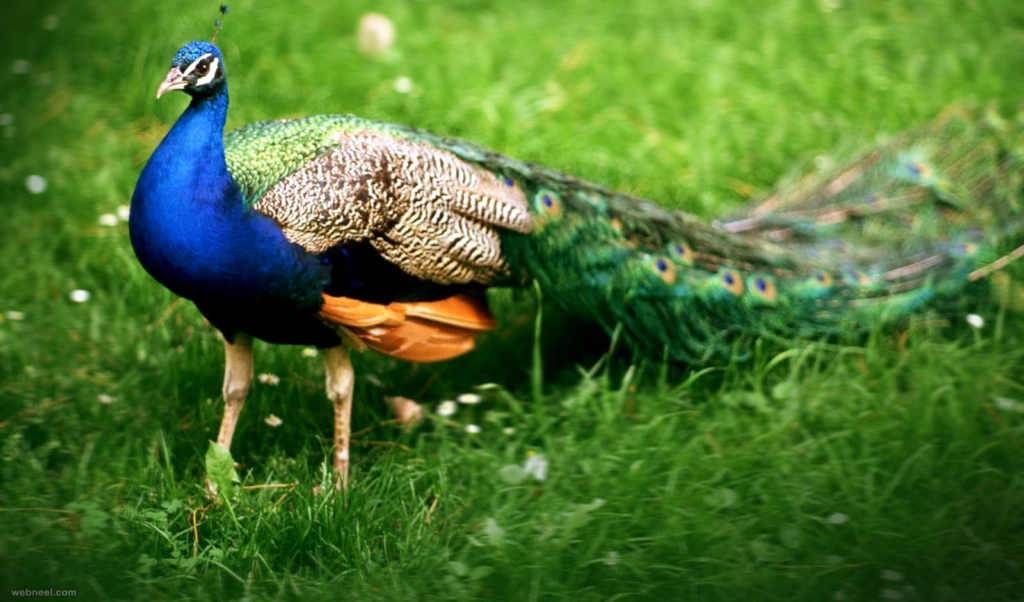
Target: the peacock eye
pixel 548 204
pixel 763 289
pixel 665 269
pixel 202 68
pixel 732 282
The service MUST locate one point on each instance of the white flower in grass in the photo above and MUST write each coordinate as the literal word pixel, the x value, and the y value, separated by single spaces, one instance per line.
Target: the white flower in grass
pixel 403 85
pixel 108 219
pixel 508 430
pixel 446 408
pixel 611 559
pixel 309 352
pixel 512 474
pixel 468 399
pixel 837 518
pixel 376 33
pixel 273 421
pixel 123 212
pixel 35 184
pixel 975 320
pixel 891 575
pixel 1003 403
pixel 105 399
pixel 892 594
pixel 472 429
pixel 80 295
pixel 20 66
pixel 493 532
pixel 15 316
pixel 51 22
pixel 536 466
pixel 269 379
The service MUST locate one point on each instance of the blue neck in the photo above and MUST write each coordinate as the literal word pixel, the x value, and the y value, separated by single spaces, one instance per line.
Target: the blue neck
pixel 192 231
pixel 186 208
pixel 190 160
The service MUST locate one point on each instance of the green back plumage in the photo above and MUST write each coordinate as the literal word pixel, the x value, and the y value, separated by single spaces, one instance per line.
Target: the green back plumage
pixel 262 154
pixel 899 227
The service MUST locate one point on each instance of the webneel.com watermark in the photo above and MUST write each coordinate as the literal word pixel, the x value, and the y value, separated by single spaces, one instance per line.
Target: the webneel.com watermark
pixel 44 593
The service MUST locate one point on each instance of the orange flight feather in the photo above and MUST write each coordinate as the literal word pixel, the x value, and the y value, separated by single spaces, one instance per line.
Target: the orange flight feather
pixel 424 331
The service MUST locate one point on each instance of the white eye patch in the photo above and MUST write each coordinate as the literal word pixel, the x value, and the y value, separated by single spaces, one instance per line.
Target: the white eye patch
pixel 194 64
pixel 210 74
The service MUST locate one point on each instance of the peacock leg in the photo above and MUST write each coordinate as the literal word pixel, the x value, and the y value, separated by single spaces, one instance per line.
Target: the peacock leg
pixel 237 377
pixel 340 381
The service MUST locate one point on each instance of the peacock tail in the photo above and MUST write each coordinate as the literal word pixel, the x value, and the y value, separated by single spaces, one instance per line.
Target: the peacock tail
pixel 908 224
pixel 911 223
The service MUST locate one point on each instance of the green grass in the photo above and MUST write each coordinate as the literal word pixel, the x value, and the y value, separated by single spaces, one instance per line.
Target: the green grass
pixel 800 474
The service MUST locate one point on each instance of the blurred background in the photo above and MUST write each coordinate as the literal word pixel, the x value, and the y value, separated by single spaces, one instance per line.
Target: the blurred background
pixel 109 386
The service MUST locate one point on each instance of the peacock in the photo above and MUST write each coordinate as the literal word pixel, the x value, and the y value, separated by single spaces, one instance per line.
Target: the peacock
pixel 347 234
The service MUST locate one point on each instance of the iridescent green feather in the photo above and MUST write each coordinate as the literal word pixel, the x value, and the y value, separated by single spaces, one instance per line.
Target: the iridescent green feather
pixel 891 233
pixel 261 154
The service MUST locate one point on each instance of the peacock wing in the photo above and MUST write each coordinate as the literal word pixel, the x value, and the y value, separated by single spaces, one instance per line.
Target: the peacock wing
pixel 332 180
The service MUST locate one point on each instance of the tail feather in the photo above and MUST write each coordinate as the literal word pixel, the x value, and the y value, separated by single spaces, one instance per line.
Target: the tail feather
pixel 905 226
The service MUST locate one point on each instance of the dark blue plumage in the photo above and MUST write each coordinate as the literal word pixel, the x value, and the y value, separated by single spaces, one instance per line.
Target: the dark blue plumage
pixel 194 234
pixel 358 271
pixel 193 231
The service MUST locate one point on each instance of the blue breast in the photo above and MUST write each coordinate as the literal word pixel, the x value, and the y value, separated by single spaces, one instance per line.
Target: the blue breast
pixel 192 232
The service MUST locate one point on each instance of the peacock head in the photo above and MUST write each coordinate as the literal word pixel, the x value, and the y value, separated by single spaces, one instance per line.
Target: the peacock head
pixel 197 68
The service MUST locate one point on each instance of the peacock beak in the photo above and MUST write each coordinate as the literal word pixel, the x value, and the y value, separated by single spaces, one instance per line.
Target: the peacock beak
pixel 173 81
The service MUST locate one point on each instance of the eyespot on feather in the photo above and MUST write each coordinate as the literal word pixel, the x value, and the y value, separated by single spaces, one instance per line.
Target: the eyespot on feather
pixel 919 169
pixel 681 252
pixel 762 287
pixel 628 239
pixel 966 249
pixel 857 278
pixel 664 268
pixel 730 280
pixel 822 279
pixel 548 203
